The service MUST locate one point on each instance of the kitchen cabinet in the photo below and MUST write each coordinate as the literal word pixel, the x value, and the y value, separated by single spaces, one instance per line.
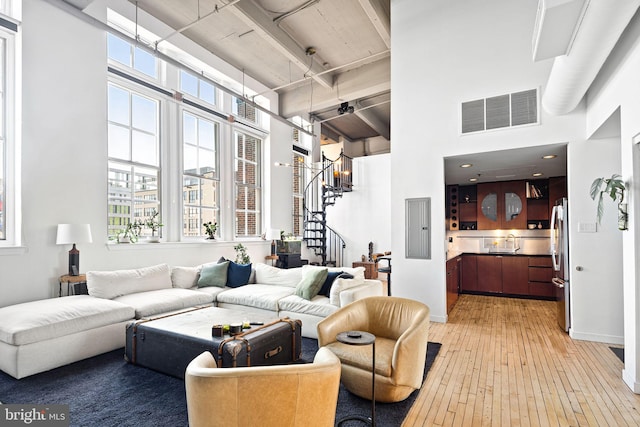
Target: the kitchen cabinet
pixel 489 273
pixel 537 193
pixel 515 275
pixel 453 281
pixel 469 273
pixel 557 190
pixel 540 272
pixel 501 205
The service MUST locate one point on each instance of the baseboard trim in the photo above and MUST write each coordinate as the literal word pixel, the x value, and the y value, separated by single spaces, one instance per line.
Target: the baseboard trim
pixel 585 336
pixel 630 382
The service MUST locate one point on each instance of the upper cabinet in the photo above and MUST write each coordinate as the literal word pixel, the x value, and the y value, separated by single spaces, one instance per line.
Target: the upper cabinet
pixel 501 205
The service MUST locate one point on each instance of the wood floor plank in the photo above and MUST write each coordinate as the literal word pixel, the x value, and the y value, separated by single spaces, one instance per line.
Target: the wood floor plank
pixel 504 361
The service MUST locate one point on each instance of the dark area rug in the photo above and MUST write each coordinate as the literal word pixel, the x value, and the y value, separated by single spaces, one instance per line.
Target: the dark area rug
pixel 106 391
pixel 618 352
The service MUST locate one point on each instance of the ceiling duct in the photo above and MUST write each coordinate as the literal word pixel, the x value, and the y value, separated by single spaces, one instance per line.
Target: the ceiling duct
pixel 571 75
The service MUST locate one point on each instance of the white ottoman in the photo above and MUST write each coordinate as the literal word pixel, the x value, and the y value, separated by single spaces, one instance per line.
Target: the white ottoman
pixel 40 335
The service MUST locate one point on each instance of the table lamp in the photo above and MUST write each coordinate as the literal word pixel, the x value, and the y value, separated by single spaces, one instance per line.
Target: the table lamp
pixel 72 234
pixel 272 234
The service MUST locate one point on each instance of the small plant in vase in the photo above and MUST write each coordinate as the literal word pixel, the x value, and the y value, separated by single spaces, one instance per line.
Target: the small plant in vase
pixel 154 224
pixel 130 233
pixel 210 229
pixel 242 257
pixel 615 188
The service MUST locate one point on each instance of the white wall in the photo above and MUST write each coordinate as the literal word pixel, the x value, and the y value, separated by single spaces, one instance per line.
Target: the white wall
pixel 445 53
pixel 64 163
pixel 364 215
pixel 616 88
pixel 595 258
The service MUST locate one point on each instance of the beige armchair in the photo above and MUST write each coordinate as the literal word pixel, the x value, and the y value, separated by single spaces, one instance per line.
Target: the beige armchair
pixel 283 395
pixel 401 328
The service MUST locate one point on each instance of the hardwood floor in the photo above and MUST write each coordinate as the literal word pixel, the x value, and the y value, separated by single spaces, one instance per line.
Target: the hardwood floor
pixel 505 362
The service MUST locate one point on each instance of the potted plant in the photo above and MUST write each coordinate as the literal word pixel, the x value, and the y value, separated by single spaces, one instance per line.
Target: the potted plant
pixel 130 233
pixel 242 257
pixel 154 224
pixel 615 188
pixel 210 228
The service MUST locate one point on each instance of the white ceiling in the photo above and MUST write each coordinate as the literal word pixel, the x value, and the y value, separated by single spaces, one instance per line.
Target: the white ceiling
pixel 316 54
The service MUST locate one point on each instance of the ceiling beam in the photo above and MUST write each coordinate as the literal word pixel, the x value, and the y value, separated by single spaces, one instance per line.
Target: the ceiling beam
pixel 378 13
pixel 361 82
pixel 254 16
pixel 369 117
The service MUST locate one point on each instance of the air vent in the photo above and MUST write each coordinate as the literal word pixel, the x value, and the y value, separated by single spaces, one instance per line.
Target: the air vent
pixel 515 109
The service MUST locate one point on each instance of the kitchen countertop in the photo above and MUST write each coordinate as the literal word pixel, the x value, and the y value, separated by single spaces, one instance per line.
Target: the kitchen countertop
pixel 453 254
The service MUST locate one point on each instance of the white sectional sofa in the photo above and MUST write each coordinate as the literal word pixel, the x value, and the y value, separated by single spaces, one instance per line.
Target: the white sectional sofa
pixel 40 335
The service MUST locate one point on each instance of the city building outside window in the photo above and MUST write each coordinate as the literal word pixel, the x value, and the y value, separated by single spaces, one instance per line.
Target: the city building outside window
pixel 248 185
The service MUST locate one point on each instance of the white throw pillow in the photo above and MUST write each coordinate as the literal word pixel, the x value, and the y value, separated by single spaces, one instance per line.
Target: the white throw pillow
pixel 268 275
pixel 111 284
pixel 185 277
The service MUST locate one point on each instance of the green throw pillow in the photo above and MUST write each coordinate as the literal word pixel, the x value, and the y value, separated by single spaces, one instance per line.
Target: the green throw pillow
pixel 214 275
pixel 311 283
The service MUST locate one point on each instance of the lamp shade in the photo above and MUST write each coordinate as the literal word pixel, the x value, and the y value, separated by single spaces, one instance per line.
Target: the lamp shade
pixel 272 234
pixel 73 233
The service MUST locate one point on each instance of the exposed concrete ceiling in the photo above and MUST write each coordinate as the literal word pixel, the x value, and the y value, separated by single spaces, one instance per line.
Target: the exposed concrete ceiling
pixel 316 54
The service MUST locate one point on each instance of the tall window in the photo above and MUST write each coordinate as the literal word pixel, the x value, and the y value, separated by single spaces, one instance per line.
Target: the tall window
pixel 201 180
pixel 131 56
pixel 134 157
pixel 3 143
pixel 242 109
pixel 197 87
pixel 299 184
pixel 247 185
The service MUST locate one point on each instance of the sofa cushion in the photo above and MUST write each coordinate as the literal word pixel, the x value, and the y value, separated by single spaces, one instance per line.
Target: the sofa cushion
pixel 112 284
pixel 318 306
pixel 238 274
pixel 340 285
pixel 56 317
pixel 268 275
pixel 259 296
pixel 150 303
pixel 214 275
pixel 326 286
pixel 185 277
pixel 311 283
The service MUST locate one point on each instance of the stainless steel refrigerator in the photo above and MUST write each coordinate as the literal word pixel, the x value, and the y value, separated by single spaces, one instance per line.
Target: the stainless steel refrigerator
pixel 560 255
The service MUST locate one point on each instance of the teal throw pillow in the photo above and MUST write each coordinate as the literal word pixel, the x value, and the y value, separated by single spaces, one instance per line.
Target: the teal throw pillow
pixel 214 275
pixel 311 283
pixel 238 274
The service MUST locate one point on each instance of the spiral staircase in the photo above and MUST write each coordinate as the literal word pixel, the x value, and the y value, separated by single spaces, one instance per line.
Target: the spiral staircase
pixel 326 186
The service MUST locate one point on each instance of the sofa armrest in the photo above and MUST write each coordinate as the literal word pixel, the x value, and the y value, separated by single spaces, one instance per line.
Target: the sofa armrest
pixel 370 288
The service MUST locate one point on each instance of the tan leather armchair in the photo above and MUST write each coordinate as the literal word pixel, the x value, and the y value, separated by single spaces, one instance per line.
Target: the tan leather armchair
pixel 401 327
pixel 268 396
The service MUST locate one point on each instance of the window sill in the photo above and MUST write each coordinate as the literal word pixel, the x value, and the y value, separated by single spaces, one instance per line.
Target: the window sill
pixel 13 250
pixel 144 246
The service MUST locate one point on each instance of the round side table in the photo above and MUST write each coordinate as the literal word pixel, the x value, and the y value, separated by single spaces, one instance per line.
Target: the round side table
pixel 362 338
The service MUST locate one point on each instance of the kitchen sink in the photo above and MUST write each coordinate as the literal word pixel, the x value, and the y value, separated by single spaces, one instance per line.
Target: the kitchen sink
pixel 504 250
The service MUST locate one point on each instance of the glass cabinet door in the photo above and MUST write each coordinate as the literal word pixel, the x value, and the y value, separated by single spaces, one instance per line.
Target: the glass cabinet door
pixel 489 206
pixel 512 206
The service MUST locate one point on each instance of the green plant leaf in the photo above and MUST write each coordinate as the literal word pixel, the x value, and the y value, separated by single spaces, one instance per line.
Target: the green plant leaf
pixel 595 187
pixel 600 210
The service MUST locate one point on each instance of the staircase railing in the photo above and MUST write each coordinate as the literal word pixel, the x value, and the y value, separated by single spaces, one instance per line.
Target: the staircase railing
pixel 326 185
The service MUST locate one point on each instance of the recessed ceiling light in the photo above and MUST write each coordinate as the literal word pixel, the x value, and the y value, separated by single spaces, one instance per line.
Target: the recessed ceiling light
pixel 466 165
pixel 473 179
pixel 549 156
pixel 537 174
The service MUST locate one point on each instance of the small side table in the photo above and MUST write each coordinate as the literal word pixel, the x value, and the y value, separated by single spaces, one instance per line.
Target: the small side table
pixel 362 338
pixel 81 278
pixel 272 258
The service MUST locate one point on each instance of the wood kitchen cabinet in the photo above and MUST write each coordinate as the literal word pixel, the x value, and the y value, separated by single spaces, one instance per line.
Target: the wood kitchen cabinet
pixel 469 273
pixel 515 275
pixel 540 272
pixel 501 205
pixel 453 281
pixel 489 273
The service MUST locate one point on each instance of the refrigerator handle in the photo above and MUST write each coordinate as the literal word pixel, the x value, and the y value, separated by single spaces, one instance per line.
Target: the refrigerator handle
pixel 554 215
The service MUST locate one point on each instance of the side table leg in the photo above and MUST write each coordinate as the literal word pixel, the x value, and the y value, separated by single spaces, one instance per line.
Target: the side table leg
pixel 59 289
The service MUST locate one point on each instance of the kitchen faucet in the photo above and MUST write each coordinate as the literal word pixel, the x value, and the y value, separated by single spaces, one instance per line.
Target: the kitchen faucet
pixel 506 241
